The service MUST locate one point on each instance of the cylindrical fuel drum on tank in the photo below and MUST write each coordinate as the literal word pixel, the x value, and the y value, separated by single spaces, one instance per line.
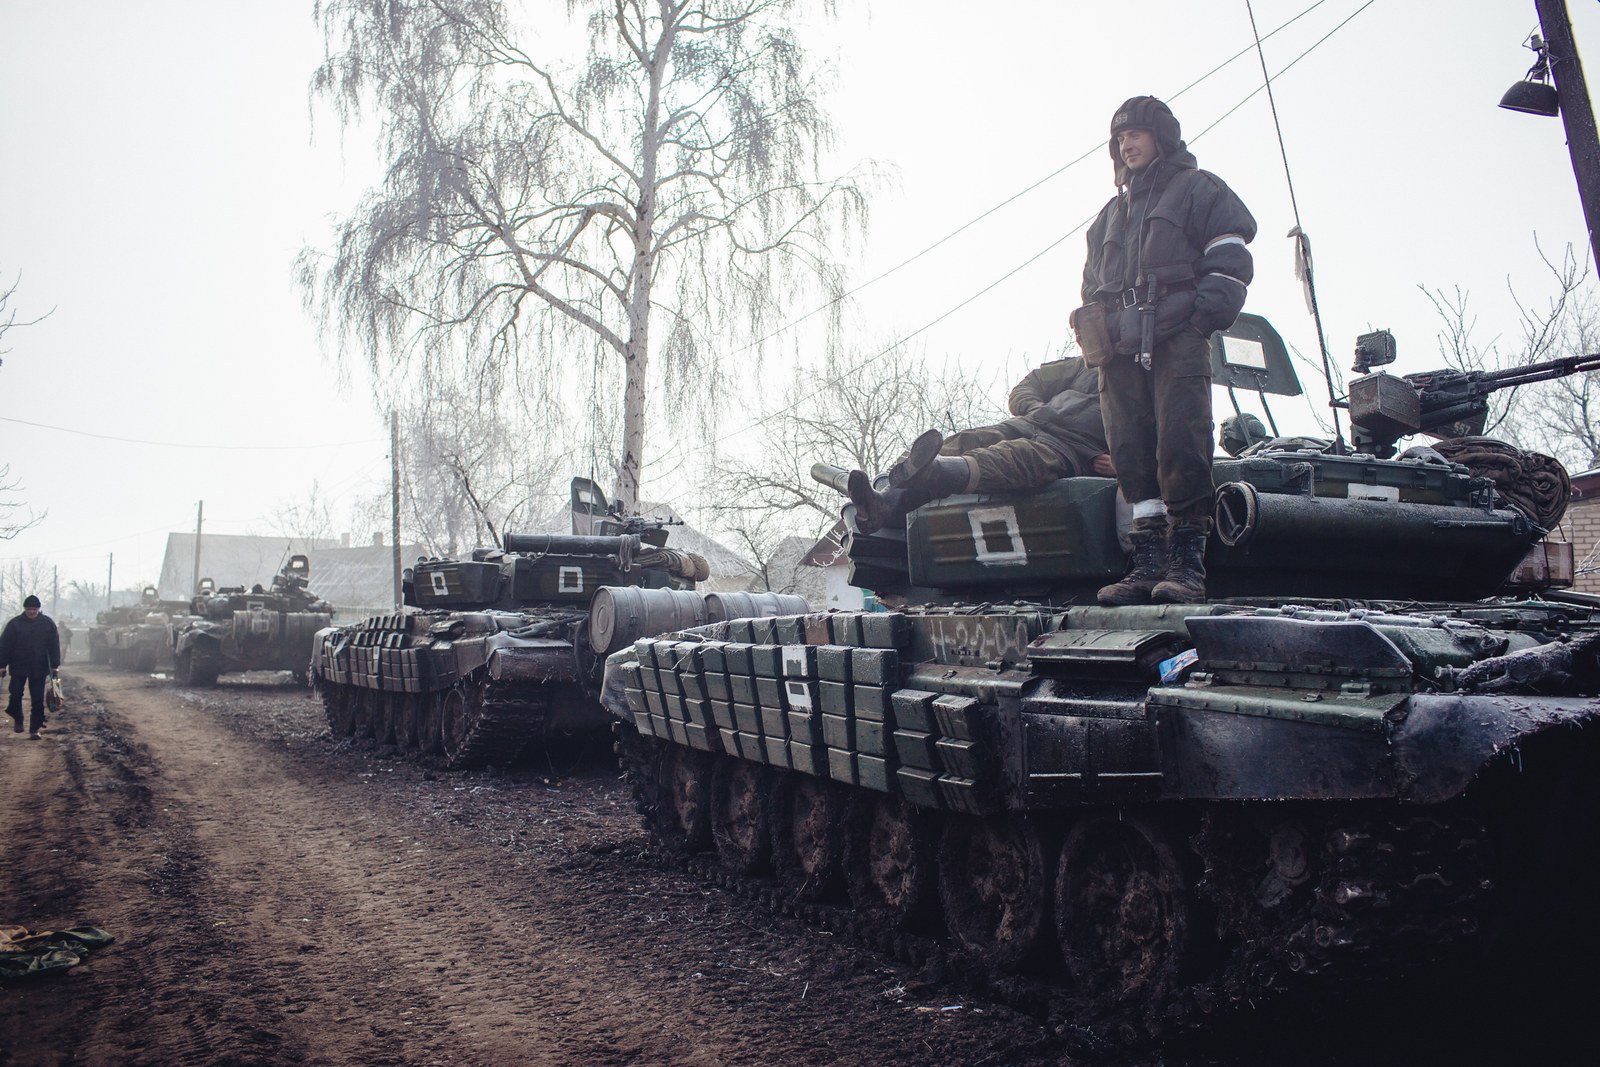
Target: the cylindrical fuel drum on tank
pixel 620 615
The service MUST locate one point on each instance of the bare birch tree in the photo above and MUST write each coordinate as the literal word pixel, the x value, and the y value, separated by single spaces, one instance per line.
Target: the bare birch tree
pixel 649 205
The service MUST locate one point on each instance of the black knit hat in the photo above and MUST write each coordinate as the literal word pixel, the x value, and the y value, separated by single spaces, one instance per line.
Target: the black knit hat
pixel 31 602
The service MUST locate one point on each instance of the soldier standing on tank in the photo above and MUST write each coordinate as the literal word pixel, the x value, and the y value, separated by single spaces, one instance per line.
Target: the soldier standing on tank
pixel 1056 433
pixel 30 648
pixel 1167 266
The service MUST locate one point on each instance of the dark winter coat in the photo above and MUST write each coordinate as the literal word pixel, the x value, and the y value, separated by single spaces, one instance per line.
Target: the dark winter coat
pixel 1059 404
pixel 1186 227
pixel 28 646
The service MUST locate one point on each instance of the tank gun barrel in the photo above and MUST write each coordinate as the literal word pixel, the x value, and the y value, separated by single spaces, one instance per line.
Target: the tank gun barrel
pixel 834 478
pixel 572 544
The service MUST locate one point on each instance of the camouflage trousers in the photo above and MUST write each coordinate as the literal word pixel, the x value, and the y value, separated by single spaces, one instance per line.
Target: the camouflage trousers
pixel 1006 459
pixel 1158 423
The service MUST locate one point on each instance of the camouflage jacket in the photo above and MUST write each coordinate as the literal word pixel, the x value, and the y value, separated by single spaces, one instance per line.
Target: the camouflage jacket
pixel 1059 404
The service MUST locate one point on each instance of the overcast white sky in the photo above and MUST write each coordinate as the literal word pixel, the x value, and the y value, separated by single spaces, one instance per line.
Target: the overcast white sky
pixel 160 173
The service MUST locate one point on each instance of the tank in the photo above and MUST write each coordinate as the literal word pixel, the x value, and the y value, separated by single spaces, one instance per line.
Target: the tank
pixel 502 652
pixel 232 629
pixel 137 637
pixel 1372 756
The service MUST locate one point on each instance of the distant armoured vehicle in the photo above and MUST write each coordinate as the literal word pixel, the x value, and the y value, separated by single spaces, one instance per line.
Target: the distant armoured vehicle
pixel 233 629
pixel 504 649
pixel 1364 757
pixel 137 637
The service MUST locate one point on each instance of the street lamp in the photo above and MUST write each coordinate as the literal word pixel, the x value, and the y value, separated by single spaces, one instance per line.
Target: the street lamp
pixel 1534 95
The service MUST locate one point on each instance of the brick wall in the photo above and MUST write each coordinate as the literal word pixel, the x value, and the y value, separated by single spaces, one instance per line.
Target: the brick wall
pixel 1582 525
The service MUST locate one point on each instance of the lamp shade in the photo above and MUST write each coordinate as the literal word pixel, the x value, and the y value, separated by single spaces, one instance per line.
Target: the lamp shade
pixel 1532 98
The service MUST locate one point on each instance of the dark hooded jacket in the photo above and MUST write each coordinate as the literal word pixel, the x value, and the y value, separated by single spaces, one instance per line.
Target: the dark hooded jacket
pixel 1180 223
pixel 1059 403
pixel 29 646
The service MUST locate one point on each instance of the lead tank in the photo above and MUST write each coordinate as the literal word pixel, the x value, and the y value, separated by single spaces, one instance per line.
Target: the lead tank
pixel 233 629
pixel 503 650
pixel 1373 755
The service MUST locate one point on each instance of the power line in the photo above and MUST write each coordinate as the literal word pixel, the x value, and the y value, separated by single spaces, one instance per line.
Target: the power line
pixel 187 444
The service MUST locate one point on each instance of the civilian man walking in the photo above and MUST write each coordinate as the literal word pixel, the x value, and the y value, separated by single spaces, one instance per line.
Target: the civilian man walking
pixel 30 648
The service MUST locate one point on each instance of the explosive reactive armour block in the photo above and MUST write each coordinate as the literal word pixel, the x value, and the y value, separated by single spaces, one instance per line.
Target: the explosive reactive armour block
pixel 816 629
pixel 805 727
pixel 845 628
pixel 635 700
pixel 769 692
pixel 764 632
pixel 916 749
pixel 834 697
pixel 870 737
pixel 701 738
pixel 875 666
pixel 885 629
pixel 800 693
pixel 716 686
pixel 920 787
pixel 799 661
pixel 913 710
pixel 842 766
pixel 874 772
pixel 645 650
pixel 961 794
pixel 649 680
pixel 641 722
pixel 872 702
pixel 654 704
pixel 675 709
pixel 711 659
pixel 837 732
pixel 698 711
pixel 632 676
pixel 748 718
pixel 833 663
pixel 766 661
pixel 730 741
pixel 737 658
pixel 692 685
pixel 776 750
pixel 957 716
pixel 722 715
pixel 774 722
pixel 741 631
pixel 742 688
pixel 670 682
pixel 751 747
pixel 676 731
pixel 959 757
pixel 790 629
pixel 808 759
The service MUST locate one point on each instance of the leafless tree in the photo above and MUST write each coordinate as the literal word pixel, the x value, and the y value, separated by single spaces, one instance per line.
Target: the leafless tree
pixel 645 206
pixel 305 519
pixel 1560 417
pixel 15 516
pixel 851 418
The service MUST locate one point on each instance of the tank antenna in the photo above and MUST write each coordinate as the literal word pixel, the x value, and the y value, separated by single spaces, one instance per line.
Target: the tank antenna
pixel 1302 247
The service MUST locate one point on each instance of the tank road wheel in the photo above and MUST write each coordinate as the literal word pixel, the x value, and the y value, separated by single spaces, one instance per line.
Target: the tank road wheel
pixel 994 884
pixel 430 719
pixel 681 812
pixel 892 852
pixel 183 667
pixel 406 707
pixel 383 716
pixel 807 835
pixel 336 705
pixel 463 705
pixel 1123 911
pixel 741 815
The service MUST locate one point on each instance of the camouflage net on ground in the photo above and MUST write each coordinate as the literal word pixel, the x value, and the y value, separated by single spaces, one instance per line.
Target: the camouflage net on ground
pixel 1534 484
pixel 25 955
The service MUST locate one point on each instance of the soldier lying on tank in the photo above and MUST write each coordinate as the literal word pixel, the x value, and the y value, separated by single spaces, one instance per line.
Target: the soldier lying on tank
pixel 1056 433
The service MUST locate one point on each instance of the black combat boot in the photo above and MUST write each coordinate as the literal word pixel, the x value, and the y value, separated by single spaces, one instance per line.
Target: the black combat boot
pixel 1185 582
pixel 874 510
pixel 942 476
pixel 1149 567
pixel 924 450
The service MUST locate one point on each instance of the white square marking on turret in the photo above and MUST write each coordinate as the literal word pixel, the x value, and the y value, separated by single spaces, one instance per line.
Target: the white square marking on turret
pixel 570 580
pixel 996 536
pixel 440 586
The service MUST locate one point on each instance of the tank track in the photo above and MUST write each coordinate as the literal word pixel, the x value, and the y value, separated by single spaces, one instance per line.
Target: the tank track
pixel 501 722
pixel 1382 889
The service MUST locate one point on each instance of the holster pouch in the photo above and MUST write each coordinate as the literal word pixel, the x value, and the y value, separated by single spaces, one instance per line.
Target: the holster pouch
pixel 1094 340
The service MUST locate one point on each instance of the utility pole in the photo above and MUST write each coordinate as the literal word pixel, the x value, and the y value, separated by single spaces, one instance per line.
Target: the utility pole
pixel 394 503
pixel 1577 113
pixel 199 521
pixel 55 591
pixel 110 559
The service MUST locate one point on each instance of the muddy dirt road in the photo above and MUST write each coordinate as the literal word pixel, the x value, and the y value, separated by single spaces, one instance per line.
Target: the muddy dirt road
pixel 278 900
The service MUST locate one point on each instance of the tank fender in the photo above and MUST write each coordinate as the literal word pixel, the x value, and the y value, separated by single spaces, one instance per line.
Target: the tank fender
pixel 1446 740
pixel 197 635
pixel 535 659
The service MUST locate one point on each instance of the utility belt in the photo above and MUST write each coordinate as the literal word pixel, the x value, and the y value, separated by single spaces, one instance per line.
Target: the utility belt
pixel 1131 298
pixel 1089 321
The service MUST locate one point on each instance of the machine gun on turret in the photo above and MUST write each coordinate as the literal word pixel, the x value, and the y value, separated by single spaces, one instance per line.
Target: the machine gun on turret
pixel 1440 403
